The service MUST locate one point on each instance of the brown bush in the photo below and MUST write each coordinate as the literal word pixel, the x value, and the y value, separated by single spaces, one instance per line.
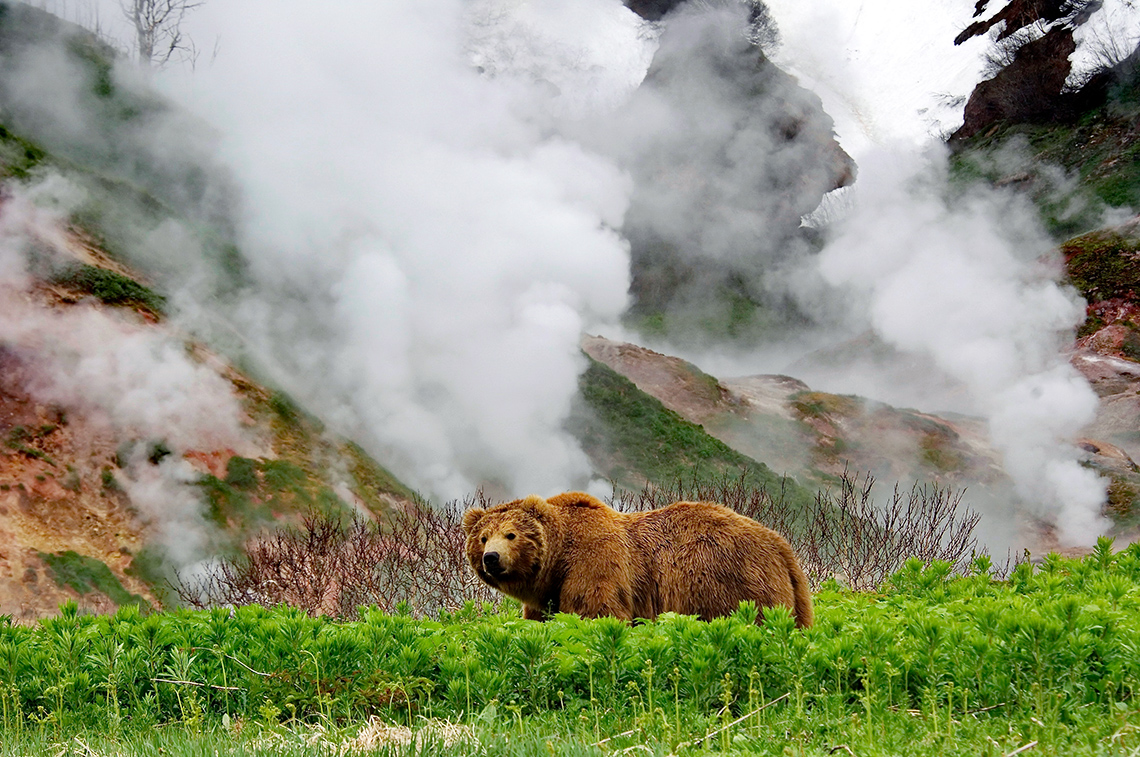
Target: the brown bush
pixel 845 534
pixel 330 566
pixel 415 561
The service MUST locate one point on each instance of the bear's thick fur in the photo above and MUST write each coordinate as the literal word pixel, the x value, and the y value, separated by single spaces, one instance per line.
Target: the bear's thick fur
pixel 572 553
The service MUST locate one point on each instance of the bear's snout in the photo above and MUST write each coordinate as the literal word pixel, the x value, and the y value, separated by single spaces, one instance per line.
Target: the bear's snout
pixel 491 561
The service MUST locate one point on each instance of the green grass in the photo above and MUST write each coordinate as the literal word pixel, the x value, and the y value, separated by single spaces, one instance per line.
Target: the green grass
pixel 19 157
pixel 110 288
pixel 1100 154
pixel 371 479
pixel 85 574
pixel 23 439
pixel 632 438
pixel 254 492
pixel 930 664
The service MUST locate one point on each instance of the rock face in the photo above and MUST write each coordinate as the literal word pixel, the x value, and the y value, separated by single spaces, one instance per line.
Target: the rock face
pixel 727 153
pixel 1030 89
pixel 652 10
pixel 1018 14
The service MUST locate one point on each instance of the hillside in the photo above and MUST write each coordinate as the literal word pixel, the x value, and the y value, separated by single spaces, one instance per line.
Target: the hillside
pixel 97 504
pixel 818 436
pixel 128 447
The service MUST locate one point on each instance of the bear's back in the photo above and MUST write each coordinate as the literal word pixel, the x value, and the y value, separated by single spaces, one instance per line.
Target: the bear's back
pixel 700 558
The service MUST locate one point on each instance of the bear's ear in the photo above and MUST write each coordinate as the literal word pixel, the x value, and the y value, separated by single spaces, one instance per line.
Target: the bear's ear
pixel 576 499
pixel 472 517
pixel 532 504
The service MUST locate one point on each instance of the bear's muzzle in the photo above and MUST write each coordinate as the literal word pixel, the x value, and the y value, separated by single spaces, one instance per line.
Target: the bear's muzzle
pixel 492 564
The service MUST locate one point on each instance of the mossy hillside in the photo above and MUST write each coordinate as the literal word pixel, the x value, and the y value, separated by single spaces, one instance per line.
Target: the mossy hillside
pixel 136 199
pixel 302 476
pixel 1099 155
pixel 633 439
pixel 255 493
pixel 822 404
pixel 85 574
pixel 1104 265
pixel 18 157
pixel 110 288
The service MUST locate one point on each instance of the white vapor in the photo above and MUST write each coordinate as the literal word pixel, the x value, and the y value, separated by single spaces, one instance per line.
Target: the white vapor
pixel 120 375
pixel 424 251
pixel 966 282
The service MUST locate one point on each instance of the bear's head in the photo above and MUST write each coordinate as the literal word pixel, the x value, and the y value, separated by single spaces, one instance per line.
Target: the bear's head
pixel 506 545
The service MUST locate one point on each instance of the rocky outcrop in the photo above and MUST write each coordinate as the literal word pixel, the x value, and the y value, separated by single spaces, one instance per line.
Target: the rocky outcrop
pixel 1030 89
pixel 1018 14
pixel 728 153
pixel 652 10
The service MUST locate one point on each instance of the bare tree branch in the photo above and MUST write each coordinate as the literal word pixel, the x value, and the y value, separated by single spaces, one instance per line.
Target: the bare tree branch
pixel 157 24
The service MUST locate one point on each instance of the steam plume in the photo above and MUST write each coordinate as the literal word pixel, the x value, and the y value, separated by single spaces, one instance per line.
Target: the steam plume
pixel 424 251
pixel 965 282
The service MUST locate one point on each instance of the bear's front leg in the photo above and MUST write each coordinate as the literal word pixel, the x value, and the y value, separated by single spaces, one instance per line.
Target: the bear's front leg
pixel 533 613
pixel 597 599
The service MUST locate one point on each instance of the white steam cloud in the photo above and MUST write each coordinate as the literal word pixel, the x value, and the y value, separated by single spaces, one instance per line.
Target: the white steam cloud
pixel 964 281
pixel 425 251
pixel 429 215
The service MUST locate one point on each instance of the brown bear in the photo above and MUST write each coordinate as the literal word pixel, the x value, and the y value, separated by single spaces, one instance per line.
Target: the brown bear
pixel 572 553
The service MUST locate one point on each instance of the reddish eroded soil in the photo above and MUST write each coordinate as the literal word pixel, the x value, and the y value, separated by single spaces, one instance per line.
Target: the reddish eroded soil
pixel 53 498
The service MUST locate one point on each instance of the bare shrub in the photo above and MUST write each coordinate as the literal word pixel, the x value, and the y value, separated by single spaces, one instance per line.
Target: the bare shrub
pixel 416 561
pixel 845 534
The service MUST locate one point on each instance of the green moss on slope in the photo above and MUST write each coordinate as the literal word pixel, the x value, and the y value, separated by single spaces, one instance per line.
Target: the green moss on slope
pixel 110 287
pixel 633 438
pixel 84 574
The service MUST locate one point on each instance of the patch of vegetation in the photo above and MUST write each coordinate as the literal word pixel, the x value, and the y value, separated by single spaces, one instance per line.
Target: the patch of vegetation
pixel 371 479
pixel 254 491
pixel 85 574
pixel 1122 502
pixel 22 438
pixel 1100 155
pixel 241 473
pixel 18 157
pixel 937 454
pixel 822 404
pixel 152 567
pixel 227 503
pixel 110 288
pixel 1104 265
pixel 634 438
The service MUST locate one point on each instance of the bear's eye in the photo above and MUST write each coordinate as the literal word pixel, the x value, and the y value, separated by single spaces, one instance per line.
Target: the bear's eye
pixel 484 539
pixel 510 536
